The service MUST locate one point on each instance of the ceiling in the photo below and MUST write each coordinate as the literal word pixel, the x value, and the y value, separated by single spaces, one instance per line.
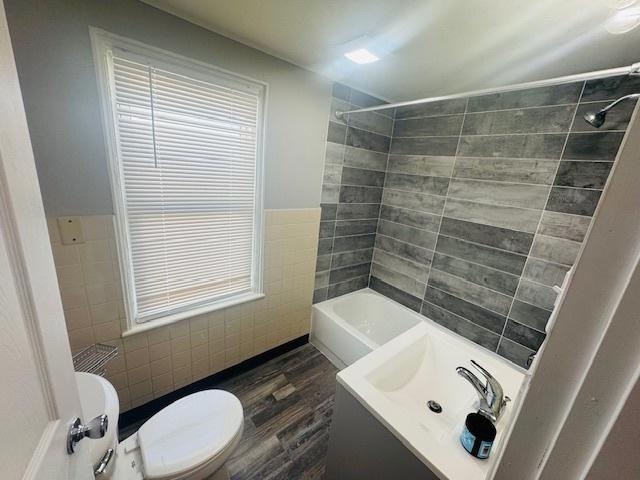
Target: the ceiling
pixel 427 47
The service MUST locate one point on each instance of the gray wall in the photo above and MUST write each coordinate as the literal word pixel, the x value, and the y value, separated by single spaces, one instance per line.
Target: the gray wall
pixel 485 205
pixel 53 54
pixel 355 164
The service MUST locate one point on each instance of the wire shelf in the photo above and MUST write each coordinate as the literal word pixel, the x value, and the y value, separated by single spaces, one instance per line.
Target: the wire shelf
pixel 94 358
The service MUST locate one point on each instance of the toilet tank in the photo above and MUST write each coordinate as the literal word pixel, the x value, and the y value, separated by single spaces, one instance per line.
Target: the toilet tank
pixel 97 396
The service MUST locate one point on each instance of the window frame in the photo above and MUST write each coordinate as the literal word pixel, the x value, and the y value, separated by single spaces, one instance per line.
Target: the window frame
pixel 103 43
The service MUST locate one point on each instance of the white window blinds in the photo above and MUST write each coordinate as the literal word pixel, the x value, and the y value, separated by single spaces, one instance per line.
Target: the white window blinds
pixel 188 152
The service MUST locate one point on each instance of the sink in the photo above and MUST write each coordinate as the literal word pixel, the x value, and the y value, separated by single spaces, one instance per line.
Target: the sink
pixel 396 381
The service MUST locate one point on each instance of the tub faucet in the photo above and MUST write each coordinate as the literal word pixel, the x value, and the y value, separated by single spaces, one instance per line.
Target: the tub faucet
pixel 492 399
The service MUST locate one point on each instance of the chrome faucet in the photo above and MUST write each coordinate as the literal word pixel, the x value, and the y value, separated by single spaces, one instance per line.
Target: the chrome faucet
pixel 492 399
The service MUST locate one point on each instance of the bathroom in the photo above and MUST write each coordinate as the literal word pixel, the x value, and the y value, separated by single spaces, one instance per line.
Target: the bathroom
pixel 322 240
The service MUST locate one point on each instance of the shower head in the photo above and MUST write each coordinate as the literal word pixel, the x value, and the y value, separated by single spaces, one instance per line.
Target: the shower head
pixel 597 118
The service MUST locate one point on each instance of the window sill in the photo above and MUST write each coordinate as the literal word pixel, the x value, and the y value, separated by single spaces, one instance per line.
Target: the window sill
pixel 177 317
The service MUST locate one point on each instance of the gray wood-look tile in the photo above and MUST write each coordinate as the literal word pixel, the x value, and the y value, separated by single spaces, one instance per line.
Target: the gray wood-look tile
pixel 323 262
pixel 414 201
pixel 330 193
pixel 367 140
pixel 536 294
pixel 593 146
pixel 414 236
pixel 421 165
pixel 327 229
pixel 514 352
pixel 404 250
pixel 361 158
pixel 506 261
pixel 481 296
pixel 556 250
pixel 617 118
pixel 396 279
pixel 583 174
pixel 372 121
pixel 499 193
pixel 343 274
pixel 425 146
pixel 336 133
pixel 364 100
pixel 573 200
pixel 532 97
pixel 417 183
pixel 412 218
pixel 442 107
pixel 512 218
pixel 338 105
pixel 530 315
pixel 328 211
pixel 505 239
pixel 394 293
pixel 505 169
pixel 530 120
pixel 322 279
pixel 428 126
pixel 467 310
pixel 361 176
pixel 547 146
pixel 319 295
pixel 459 325
pixel 487 277
pixel 562 225
pixel 357 257
pixel 355 227
pixel 549 274
pixel 354 242
pixel 352 194
pixel 324 246
pixel 332 173
pixel 334 153
pixel 348 286
pixel 610 88
pixel 402 265
pixel 523 335
pixel 346 211
pixel 338 90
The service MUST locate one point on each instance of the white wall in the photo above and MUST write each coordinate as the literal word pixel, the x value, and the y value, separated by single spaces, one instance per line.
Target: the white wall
pixel 55 65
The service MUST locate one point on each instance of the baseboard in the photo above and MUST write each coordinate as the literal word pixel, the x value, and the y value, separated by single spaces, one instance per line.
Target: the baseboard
pixel 142 412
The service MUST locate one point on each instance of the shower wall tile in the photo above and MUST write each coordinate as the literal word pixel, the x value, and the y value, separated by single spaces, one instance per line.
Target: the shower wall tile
pixel 355 165
pixel 506 170
pixel 529 120
pixel 484 205
pixel 532 97
pixel 547 146
pixel 583 174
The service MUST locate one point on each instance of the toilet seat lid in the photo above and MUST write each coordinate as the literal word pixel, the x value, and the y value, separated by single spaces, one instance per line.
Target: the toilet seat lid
pixel 189 432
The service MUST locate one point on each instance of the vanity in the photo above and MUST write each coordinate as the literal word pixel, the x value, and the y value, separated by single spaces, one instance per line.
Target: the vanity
pixel 383 427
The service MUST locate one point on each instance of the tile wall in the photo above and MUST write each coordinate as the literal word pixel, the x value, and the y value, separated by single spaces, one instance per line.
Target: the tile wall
pixel 154 363
pixel 486 202
pixel 355 164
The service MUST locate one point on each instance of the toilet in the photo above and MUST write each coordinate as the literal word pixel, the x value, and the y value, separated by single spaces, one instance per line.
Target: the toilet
pixel 190 439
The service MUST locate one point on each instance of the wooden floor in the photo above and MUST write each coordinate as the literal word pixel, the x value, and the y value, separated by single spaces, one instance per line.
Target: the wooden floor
pixel 288 403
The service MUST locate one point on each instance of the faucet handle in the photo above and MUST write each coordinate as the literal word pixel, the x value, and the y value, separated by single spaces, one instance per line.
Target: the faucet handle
pixel 492 384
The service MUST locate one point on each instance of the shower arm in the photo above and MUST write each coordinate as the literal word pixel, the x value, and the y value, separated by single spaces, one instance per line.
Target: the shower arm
pixel 633 70
pixel 621 99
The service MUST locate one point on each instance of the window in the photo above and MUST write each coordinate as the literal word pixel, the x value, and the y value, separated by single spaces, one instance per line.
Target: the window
pixel 185 148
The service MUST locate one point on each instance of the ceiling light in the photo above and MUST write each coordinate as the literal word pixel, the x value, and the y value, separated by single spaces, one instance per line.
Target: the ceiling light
pixel 623 21
pixel 361 55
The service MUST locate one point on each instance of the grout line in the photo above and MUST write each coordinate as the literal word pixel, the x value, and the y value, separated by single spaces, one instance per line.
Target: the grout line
pixel 566 140
pixel 515 134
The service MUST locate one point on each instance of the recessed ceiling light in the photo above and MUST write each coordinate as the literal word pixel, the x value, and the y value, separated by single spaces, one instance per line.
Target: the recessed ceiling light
pixel 361 55
pixel 623 21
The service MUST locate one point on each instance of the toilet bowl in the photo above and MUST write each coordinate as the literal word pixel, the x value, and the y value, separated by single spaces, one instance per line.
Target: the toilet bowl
pixel 190 439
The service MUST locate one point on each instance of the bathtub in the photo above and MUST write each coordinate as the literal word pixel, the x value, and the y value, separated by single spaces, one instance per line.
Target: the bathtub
pixel 347 328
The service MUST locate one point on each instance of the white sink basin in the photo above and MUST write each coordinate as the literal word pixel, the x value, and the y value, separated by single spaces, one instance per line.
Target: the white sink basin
pixel 396 381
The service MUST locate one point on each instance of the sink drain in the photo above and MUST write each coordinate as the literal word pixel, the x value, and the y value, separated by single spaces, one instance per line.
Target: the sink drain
pixel 434 406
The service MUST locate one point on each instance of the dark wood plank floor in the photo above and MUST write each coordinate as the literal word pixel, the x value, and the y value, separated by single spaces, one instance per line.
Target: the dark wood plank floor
pixel 288 403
